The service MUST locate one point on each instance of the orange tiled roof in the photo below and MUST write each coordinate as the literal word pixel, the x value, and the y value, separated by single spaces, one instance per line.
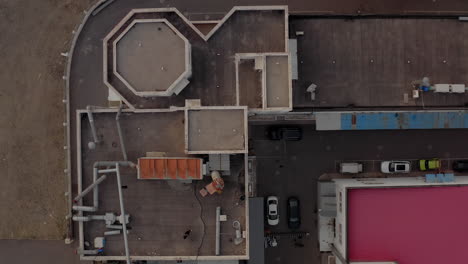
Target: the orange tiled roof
pixel 170 168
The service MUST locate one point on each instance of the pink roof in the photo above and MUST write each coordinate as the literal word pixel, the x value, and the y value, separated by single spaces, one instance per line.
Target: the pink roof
pixel 409 225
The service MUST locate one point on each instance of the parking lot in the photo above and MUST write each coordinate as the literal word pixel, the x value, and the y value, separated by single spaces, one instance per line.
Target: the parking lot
pixel 292 168
pixel 372 167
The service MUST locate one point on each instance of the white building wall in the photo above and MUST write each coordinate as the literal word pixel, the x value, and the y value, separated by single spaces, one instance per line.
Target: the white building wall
pixel 340 221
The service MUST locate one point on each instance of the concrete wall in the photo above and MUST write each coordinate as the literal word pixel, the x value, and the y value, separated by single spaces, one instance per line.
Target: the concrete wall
pixel 340 222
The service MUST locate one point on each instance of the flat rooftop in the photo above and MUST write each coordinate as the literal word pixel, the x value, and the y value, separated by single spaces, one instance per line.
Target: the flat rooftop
pixel 213 79
pixel 161 211
pixel 217 130
pixel 264 81
pixel 250 84
pixel 143 132
pixel 408 225
pixel 150 56
pixel 277 82
pixel 374 61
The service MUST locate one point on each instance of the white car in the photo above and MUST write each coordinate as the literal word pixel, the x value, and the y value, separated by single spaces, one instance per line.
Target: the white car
pixel 272 205
pixel 395 166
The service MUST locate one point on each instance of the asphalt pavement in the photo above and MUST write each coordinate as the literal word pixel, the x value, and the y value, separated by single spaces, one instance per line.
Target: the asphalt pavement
pixel 292 168
pixel 38 251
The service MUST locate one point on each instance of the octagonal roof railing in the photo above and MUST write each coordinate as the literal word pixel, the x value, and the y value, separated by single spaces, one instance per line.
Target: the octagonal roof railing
pixel 177 84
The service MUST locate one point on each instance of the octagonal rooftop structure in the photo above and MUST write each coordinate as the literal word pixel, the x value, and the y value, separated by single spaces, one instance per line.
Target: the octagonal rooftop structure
pixel 152 58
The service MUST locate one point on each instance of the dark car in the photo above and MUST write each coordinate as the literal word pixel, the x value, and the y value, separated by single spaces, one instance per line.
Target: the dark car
pixel 460 165
pixel 294 213
pixel 286 133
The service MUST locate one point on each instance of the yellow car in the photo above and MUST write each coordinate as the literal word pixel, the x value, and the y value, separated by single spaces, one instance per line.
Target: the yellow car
pixel 429 164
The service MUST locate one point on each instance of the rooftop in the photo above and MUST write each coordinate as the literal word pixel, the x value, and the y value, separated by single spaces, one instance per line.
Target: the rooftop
pixel 374 62
pixel 217 130
pixel 213 80
pixel 408 225
pixel 174 123
pixel 263 81
pixel 151 57
pixel 161 211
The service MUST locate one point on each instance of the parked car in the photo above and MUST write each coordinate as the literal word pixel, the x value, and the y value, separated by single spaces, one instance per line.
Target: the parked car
pixel 460 165
pixel 429 164
pixel 272 206
pixel 286 133
pixel 350 167
pixel 395 166
pixel 294 213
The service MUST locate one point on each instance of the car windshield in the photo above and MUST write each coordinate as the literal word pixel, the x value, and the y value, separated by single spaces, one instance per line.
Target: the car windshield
pixel 391 167
pixel 400 167
pixel 274 217
pixel 293 219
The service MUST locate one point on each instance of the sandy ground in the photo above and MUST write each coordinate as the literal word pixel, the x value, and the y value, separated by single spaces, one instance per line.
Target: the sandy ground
pixel 32 158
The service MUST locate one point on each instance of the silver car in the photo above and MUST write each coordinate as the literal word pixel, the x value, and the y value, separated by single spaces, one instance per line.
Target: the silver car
pixel 395 166
pixel 272 206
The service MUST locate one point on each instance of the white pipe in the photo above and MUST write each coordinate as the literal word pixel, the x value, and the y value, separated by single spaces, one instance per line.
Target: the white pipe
pixel 81 218
pixel 111 233
pixel 97 217
pixel 90 188
pixel 107 171
pixel 95 190
pixel 112 163
pixel 114 226
pixel 119 131
pixel 122 212
pixel 89 218
pixel 91 124
pixel 237 226
pixel 95 175
pixel 84 208
pixel 96 200
pixel 218 231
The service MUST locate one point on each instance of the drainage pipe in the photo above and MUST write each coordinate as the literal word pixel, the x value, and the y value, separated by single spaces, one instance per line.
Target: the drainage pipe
pixel 114 226
pixel 98 217
pixel 81 218
pixel 218 229
pixel 84 208
pixel 119 130
pixel 122 212
pixel 111 233
pixel 106 171
pixel 91 123
pixel 114 163
pixel 90 188
pixel 96 172
pixel 89 218
pixel 94 186
pixel 96 189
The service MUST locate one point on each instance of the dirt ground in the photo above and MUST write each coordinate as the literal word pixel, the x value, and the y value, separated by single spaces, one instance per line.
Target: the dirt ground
pixel 32 158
